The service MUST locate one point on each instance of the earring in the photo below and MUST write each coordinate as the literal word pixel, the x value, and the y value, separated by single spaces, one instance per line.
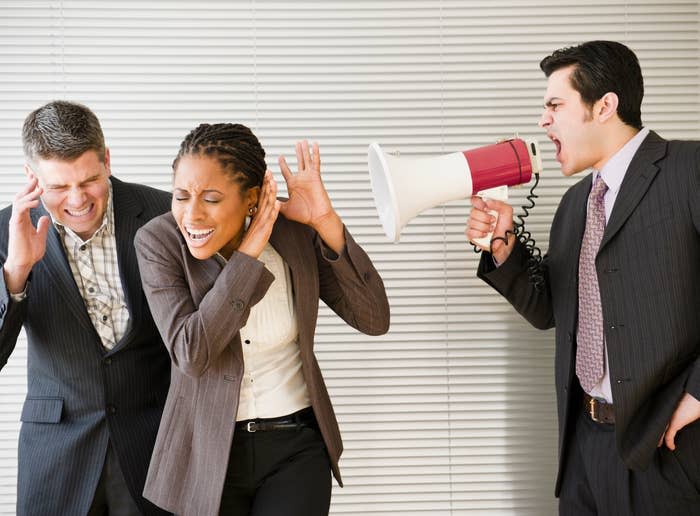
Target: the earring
pixel 252 210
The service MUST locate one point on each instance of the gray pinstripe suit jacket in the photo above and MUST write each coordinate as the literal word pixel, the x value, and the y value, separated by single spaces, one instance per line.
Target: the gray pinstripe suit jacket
pixel 649 275
pixel 199 308
pixel 81 397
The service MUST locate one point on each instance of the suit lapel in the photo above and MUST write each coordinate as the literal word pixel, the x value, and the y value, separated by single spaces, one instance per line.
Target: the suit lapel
pixel 58 270
pixel 578 220
pixel 577 224
pixel 287 249
pixel 284 239
pixel 639 176
pixel 127 220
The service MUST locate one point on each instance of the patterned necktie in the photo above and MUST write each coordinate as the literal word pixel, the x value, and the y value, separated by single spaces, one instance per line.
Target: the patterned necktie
pixel 590 365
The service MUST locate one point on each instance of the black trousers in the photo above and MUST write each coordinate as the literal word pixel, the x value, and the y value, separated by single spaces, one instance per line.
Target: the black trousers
pixel 279 472
pixel 597 482
pixel 112 497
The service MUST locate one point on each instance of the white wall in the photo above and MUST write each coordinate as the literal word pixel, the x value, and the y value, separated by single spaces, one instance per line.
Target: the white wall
pixel 452 412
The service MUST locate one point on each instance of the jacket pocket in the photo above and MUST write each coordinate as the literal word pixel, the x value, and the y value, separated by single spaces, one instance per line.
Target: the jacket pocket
pixel 42 410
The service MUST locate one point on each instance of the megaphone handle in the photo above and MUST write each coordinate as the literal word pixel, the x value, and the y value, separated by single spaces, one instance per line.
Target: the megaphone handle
pixel 498 193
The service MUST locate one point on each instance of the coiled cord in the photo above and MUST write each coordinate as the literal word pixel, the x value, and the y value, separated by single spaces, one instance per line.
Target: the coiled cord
pixel 534 261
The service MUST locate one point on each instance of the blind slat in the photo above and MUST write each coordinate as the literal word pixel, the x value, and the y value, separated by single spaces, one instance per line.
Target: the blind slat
pixel 453 411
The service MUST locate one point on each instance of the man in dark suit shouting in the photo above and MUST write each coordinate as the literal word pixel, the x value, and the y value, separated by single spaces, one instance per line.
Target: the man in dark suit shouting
pixel 621 286
pixel 98 372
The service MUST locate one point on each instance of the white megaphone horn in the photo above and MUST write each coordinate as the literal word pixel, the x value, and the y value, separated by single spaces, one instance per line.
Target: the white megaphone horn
pixel 404 187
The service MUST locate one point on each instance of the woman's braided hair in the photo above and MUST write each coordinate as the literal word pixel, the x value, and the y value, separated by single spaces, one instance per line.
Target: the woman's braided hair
pixel 234 146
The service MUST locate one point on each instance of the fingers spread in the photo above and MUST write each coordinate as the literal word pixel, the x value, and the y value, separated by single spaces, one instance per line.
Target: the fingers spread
pixel 316 157
pixel 300 156
pixel 307 156
pixel 284 168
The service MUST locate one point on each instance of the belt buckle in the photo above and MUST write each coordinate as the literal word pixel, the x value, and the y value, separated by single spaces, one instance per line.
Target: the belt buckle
pixel 250 427
pixel 591 410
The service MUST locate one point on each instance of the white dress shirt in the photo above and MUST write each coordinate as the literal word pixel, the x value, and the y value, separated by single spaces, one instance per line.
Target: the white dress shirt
pixel 273 382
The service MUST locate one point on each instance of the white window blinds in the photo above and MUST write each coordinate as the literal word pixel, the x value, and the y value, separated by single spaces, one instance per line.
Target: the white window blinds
pixel 451 412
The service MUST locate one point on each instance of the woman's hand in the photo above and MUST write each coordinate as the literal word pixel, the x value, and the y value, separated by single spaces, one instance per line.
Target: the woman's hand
pixel 308 200
pixel 262 221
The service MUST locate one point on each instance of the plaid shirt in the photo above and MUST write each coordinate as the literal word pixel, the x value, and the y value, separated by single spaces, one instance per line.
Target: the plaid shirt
pixel 104 301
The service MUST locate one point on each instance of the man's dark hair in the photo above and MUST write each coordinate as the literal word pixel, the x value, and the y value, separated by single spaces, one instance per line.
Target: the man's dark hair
pixel 61 130
pixel 601 67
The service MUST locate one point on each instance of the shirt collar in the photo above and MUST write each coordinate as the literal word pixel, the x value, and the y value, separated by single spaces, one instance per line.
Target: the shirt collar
pixel 106 227
pixel 613 172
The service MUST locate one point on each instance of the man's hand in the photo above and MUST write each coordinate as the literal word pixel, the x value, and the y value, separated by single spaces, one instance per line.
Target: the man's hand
pixel 26 244
pixel 481 222
pixel 687 411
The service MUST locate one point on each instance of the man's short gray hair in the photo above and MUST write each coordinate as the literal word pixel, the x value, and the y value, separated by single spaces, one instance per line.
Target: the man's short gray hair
pixel 61 130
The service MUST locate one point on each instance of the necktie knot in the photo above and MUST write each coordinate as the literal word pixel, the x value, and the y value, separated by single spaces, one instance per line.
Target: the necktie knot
pixel 599 189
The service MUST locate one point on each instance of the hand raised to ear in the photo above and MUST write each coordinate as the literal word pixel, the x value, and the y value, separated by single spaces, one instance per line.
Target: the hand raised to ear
pixel 263 219
pixel 26 244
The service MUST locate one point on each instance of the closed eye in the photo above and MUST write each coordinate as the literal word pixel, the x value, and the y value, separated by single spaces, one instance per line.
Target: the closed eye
pixel 552 105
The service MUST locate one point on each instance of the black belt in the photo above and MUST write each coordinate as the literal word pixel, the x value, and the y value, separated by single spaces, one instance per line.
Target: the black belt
pixel 599 410
pixel 301 419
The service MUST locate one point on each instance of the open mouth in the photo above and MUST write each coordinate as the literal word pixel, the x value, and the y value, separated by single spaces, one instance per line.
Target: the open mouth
pixel 198 236
pixel 557 145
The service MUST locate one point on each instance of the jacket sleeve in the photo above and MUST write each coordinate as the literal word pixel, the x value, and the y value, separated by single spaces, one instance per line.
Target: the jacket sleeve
pixel 512 281
pixel 350 285
pixel 12 315
pixel 693 384
pixel 196 335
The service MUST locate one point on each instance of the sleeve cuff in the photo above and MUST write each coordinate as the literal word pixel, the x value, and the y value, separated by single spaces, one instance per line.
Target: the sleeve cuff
pixel 329 254
pixel 20 296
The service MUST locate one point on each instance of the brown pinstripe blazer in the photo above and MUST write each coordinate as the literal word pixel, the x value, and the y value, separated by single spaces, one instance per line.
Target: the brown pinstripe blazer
pixel 199 308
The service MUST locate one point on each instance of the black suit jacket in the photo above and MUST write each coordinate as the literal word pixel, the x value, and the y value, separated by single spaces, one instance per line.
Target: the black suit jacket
pixel 648 270
pixel 80 396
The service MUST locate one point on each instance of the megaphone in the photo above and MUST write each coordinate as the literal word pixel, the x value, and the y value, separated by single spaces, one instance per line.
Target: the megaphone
pixel 404 187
